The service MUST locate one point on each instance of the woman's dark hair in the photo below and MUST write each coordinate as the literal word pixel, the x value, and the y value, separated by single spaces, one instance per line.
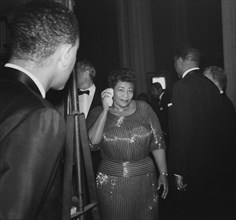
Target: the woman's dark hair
pixel 121 74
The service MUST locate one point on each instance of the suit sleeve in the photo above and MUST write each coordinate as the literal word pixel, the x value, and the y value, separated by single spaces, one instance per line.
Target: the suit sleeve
pixel 181 127
pixel 30 159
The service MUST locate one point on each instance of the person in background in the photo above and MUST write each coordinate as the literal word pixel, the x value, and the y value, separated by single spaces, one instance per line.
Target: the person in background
pixel 44 43
pixel 88 95
pixel 195 132
pixel 228 156
pixel 217 76
pixel 159 102
pixel 126 131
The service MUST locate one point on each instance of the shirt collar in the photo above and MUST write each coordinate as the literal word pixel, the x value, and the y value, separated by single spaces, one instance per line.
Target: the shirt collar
pixel 189 70
pixel 161 95
pixel 34 78
pixel 91 89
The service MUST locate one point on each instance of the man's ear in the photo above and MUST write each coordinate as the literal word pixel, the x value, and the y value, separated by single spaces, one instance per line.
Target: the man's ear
pixel 180 60
pixel 65 54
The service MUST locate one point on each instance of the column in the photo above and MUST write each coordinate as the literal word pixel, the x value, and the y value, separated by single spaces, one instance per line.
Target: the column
pixel 229 45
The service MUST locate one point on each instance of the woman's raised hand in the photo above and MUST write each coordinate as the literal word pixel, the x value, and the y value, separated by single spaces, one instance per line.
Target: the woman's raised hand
pixel 106 96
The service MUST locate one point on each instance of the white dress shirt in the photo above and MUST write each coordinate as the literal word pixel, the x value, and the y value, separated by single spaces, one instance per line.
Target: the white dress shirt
pixel 189 70
pixel 86 100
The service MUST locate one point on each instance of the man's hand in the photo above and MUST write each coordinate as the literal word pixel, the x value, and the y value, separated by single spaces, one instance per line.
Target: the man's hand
pixel 179 182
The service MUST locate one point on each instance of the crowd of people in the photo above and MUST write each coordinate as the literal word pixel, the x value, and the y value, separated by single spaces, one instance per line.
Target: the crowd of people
pixel 179 147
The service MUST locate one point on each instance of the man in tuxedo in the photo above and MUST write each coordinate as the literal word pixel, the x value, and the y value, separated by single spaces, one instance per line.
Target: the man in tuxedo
pixel 228 157
pixel 159 102
pixel 88 95
pixel 45 39
pixel 194 135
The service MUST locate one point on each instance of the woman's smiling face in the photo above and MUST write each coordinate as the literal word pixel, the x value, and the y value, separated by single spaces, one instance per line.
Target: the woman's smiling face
pixel 123 94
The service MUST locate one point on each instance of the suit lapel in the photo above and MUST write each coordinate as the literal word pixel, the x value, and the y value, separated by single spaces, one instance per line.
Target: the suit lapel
pixel 18 76
pixel 96 100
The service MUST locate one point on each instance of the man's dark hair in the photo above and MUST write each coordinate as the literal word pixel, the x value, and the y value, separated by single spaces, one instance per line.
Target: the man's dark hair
pixel 40 27
pixel 188 52
pixel 156 85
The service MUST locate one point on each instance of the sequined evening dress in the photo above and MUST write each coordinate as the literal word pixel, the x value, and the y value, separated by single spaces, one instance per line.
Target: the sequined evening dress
pixel 126 180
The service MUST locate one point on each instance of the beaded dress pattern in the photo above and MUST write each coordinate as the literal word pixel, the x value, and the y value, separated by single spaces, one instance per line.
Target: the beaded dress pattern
pixel 126 180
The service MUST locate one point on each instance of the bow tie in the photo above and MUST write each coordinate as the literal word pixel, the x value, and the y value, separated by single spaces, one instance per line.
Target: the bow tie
pixel 80 92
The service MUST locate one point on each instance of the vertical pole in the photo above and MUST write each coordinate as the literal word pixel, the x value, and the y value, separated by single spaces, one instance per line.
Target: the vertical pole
pixel 74 110
pixel 77 144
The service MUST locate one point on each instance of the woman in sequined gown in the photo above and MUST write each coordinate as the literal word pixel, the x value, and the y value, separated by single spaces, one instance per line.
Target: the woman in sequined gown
pixel 126 132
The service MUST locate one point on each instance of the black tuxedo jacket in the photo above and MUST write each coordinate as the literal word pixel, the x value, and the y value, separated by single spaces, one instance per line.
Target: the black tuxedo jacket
pixel 96 155
pixel 228 152
pixel 195 131
pixel 96 100
pixel 32 135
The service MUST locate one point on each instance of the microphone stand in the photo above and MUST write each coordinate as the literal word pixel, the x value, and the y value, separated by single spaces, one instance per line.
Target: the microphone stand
pixel 77 140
